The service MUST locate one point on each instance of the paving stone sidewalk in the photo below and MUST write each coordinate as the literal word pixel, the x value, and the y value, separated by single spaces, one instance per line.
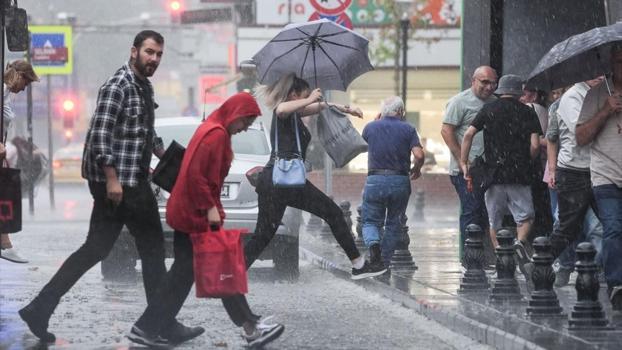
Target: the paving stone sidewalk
pixel 432 291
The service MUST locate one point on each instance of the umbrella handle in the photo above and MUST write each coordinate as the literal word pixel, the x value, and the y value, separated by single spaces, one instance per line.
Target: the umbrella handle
pixel 607 85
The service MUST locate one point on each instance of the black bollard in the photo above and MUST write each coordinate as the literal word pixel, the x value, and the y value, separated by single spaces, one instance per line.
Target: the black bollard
pixel 358 240
pixel 402 260
pixel 587 314
pixel 314 223
pixel 474 278
pixel 505 286
pixel 543 301
pixel 347 214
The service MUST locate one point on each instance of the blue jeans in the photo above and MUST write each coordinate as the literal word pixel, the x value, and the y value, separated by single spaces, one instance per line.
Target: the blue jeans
pixel 385 199
pixel 472 207
pixel 609 203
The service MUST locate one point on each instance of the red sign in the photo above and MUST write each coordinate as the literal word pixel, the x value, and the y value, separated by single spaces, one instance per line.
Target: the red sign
pixel 56 54
pixel 330 7
pixel 6 210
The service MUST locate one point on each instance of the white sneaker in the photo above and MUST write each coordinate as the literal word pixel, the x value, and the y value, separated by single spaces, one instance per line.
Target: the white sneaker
pixel 263 321
pixel 263 334
pixel 11 254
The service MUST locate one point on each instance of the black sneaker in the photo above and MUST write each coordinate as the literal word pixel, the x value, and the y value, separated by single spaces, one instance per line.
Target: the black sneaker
pixel 368 270
pixel 263 334
pixel 522 257
pixel 178 333
pixel 615 297
pixel 37 320
pixel 138 336
pixel 562 277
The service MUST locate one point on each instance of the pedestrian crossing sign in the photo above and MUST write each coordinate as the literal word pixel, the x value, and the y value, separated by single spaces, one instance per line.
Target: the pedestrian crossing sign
pixel 51 49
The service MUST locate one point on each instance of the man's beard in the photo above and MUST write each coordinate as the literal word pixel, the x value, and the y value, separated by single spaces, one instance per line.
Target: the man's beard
pixel 146 70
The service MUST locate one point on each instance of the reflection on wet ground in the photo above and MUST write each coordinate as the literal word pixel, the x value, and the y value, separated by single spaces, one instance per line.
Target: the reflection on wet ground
pixel 434 285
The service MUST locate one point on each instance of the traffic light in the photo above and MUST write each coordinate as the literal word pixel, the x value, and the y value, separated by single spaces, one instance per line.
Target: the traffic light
pixel 68 111
pixel 174 8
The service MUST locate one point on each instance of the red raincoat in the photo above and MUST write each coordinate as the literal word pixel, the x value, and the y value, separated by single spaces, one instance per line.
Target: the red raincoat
pixel 205 165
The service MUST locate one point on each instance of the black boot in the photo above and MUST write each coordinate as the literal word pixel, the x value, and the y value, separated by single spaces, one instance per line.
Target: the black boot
pixel 37 316
pixel 375 256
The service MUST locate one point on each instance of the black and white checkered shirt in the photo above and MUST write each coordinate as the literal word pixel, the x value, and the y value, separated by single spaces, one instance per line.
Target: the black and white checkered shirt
pixel 118 130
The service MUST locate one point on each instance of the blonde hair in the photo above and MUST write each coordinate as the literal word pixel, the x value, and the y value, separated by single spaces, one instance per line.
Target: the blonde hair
pixel 15 69
pixel 278 91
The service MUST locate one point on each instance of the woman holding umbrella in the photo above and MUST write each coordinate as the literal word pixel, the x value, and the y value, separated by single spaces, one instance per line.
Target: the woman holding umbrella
pixel 291 99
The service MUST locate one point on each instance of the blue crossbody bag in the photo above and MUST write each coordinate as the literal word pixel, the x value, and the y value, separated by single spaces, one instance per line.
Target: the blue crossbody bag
pixel 291 172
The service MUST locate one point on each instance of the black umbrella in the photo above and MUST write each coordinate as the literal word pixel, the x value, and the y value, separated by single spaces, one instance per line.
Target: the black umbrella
pixel 581 57
pixel 325 54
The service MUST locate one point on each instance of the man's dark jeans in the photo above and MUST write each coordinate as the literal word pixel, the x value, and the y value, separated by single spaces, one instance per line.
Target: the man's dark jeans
pixel 609 203
pixel 574 197
pixel 139 212
pixel 472 207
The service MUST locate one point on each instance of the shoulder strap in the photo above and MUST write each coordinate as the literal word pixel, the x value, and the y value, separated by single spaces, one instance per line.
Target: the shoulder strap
pixel 276 134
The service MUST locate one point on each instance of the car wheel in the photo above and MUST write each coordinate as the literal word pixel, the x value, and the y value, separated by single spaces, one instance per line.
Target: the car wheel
pixel 120 264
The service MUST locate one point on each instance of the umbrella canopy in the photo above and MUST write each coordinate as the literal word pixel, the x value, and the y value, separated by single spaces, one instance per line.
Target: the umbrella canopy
pixel 581 57
pixel 322 52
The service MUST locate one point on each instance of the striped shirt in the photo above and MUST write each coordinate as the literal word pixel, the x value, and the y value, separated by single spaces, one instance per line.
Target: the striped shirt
pixel 119 130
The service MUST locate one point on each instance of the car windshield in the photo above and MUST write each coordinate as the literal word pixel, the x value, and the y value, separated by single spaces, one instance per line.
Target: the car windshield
pixel 253 141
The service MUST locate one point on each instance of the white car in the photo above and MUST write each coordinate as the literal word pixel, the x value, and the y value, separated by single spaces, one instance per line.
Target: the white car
pixel 251 152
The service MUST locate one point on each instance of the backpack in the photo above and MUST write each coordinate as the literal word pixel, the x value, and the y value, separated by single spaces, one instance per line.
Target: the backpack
pixel 31 174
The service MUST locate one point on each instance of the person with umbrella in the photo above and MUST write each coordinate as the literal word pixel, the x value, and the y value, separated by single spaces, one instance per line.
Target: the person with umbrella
pixel 600 123
pixel 291 99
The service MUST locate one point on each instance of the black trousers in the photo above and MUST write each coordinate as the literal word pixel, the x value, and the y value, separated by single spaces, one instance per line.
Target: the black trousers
pixel 272 204
pixel 139 212
pixel 574 198
pixel 175 288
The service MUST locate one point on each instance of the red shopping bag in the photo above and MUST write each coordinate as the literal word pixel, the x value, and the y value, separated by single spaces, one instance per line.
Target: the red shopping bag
pixel 219 264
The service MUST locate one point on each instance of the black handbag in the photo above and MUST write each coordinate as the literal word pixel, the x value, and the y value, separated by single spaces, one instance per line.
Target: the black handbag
pixel 165 173
pixel 10 200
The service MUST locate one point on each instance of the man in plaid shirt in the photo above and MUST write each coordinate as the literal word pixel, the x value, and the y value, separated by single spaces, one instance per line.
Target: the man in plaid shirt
pixel 119 145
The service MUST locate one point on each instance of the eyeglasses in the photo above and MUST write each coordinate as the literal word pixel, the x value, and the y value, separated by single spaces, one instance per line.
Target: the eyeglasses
pixel 487 82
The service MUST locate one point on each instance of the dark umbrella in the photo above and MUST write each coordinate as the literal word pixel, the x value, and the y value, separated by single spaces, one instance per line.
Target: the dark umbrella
pixel 581 57
pixel 322 52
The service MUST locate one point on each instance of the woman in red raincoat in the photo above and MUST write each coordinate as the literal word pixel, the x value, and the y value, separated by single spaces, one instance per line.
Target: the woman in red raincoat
pixel 194 205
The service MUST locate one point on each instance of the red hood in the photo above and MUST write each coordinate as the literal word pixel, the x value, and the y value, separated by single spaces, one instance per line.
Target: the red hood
pixel 239 105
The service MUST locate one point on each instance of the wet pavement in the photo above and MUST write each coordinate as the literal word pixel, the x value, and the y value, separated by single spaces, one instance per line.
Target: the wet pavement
pixel 320 310
pixel 432 290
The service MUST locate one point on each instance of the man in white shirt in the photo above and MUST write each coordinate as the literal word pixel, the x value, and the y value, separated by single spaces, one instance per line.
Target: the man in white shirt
pixel 571 174
pixel 600 122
